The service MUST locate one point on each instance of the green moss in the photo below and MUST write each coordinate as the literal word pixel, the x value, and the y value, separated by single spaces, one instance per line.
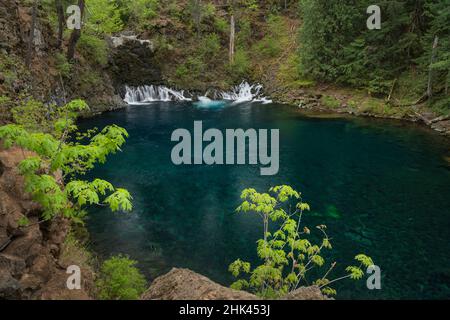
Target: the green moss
pixel 330 102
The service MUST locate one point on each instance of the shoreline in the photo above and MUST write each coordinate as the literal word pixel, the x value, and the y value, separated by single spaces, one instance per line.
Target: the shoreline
pixel 439 125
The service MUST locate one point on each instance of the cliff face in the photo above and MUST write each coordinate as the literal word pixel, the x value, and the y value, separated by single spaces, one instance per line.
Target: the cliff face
pixel 42 80
pixel 32 260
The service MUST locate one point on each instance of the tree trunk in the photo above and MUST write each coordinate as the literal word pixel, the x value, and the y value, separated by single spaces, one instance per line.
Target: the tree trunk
pixel 430 72
pixel 61 18
pixel 447 80
pixel 197 16
pixel 31 36
pixel 232 36
pixel 75 36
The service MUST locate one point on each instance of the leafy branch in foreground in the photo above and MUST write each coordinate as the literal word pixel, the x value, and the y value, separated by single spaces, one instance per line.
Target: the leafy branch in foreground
pixel 286 252
pixel 61 153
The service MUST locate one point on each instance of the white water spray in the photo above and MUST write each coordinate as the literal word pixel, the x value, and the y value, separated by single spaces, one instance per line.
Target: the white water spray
pixel 244 92
pixel 146 94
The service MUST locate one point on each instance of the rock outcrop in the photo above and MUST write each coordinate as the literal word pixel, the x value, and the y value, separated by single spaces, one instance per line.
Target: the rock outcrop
pixel 184 284
pixel 42 79
pixel 30 264
pixel 306 293
pixel 133 61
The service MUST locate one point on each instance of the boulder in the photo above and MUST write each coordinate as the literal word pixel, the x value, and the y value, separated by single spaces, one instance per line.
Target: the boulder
pixel 306 293
pixel 133 62
pixel 11 264
pixel 9 286
pixel 184 284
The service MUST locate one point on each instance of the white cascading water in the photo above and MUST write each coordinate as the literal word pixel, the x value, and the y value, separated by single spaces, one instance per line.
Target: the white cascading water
pixel 146 94
pixel 244 92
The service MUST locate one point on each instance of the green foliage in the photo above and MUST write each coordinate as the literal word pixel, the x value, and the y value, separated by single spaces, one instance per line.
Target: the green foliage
pixel 23 222
pixel 210 46
pixel 4 100
pixel 191 69
pixel 94 48
pixel 241 64
pixel 272 44
pixel 62 65
pixel 221 25
pixel 12 68
pixel 119 279
pixel 34 115
pixel 439 14
pixel 330 102
pixel 5 108
pixel 286 253
pixel 269 47
pixel 441 106
pixel 48 134
pixel 138 13
pixel 336 45
pixel 103 16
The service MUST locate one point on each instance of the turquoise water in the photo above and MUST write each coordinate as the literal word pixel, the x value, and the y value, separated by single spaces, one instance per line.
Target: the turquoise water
pixel 381 187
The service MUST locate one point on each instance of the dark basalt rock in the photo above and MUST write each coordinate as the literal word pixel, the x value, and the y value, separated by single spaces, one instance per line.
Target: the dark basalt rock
pixel 30 264
pixel 133 63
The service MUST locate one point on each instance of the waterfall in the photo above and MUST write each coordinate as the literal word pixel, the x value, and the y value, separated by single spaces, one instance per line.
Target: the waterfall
pixel 245 92
pixel 146 94
pixel 206 103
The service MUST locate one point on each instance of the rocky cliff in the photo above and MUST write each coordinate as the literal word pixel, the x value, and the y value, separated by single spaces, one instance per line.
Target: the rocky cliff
pixel 33 255
pixel 44 79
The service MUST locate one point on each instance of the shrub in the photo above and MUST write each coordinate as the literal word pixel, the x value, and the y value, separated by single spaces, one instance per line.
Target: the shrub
pixel 191 69
pixel 210 45
pixel 241 63
pixel 182 71
pixel 221 25
pixel 330 102
pixel 93 48
pixel 103 16
pixel 441 105
pixel 119 279
pixel 62 65
pixel 33 115
pixel 287 254
pixel 269 47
